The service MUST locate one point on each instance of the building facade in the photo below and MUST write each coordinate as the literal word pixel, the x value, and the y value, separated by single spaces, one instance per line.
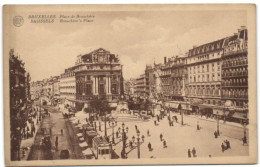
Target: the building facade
pixel 98 74
pixel 235 74
pixel 179 78
pixel 140 86
pixel 67 87
pixel 20 102
pixel 204 76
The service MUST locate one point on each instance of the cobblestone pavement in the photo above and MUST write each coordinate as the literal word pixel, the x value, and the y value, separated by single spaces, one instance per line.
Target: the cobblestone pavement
pixel 68 140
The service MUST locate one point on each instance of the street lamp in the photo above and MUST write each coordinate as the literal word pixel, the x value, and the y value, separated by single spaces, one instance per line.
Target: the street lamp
pixel 217 123
pixel 244 125
pixel 138 144
pixel 106 124
pixel 113 124
pixel 123 139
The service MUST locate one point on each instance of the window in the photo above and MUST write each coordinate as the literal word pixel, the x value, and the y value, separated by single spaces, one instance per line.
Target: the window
pixel 101 89
pixel 114 89
pixel 89 90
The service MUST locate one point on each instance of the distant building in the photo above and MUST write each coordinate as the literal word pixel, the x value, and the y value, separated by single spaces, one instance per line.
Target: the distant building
pixel 68 87
pixel 140 86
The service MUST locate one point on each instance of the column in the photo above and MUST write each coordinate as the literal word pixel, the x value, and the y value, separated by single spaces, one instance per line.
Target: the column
pixel 97 85
pixel 107 85
pixel 93 84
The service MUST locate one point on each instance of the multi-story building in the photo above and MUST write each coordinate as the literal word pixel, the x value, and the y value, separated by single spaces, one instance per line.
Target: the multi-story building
pixel 20 105
pixel 204 75
pixel 98 74
pixel 165 76
pixel 129 87
pixel 36 89
pixel 140 86
pixel 68 87
pixel 235 71
pixel 179 78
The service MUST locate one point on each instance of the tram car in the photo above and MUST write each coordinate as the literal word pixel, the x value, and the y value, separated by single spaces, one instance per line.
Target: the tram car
pixel 101 148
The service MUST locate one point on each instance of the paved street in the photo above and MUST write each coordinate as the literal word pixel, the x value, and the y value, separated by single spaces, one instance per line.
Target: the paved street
pixel 67 140
pixel 181 138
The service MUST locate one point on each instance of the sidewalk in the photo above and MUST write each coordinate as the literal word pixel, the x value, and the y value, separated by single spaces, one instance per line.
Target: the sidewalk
pixel 26 144
pixel 214 120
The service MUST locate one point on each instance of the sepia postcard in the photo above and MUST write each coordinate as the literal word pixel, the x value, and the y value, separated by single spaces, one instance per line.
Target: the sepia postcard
pixel 130 84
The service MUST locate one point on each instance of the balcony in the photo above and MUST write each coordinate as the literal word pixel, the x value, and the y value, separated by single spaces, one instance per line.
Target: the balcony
pixel 238 51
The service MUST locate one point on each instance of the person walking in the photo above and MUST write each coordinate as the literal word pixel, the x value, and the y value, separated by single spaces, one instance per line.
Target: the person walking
pixel 61 131
pixel 56 143
pixel 222 147
pixel 150 146
pixel 189 153
pixel 161 136
pixel 194 152
pixel 164 144
pixel 155 122
pixel 142 138
pixel 148 133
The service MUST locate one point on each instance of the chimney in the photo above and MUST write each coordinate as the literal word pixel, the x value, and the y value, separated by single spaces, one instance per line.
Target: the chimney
pixel 165 60
pixel 243 27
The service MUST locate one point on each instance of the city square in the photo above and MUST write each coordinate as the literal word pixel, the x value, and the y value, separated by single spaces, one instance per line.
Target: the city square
pixel 114 100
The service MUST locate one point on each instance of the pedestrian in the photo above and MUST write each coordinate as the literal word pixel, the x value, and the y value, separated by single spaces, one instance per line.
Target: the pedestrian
pixel 198 126
pixel 148 133
pixel 222 147
pixel 155 122
pixel 228 144
pixel 56 144
pixel 189 153
pixel 164 144
pixel 169 123
pixel 142 138
pixel 244 140
pixel 194 152
pixel 61 131
pixel 149 146
pixel 126 129
pixel 116 134
pixel 161 136
pixel 216 135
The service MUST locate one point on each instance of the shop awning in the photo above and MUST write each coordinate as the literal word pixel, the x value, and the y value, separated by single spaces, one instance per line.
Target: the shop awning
pixel 220 112
pixel 87 152
pixel 84 144
pixel 205 106
pixel 240 115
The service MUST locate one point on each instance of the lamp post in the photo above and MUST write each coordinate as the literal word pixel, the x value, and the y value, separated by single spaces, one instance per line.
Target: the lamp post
pixel 138 144
pixel 106 124
pixel 123 139
pixel 217 123
pixel 244 125
pixel 113 124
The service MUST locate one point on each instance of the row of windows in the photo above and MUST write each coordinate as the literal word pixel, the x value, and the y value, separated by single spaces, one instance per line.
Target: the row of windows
pixel 87 89
pixel 235 72
pixel 204 68
pixel 204 57
pixel 205 78
pixel 215 91
pixel 235 93
pixel 235 61
pixel 236 82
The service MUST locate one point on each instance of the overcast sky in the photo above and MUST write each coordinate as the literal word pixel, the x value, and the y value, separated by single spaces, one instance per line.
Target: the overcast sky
pixel 138 38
